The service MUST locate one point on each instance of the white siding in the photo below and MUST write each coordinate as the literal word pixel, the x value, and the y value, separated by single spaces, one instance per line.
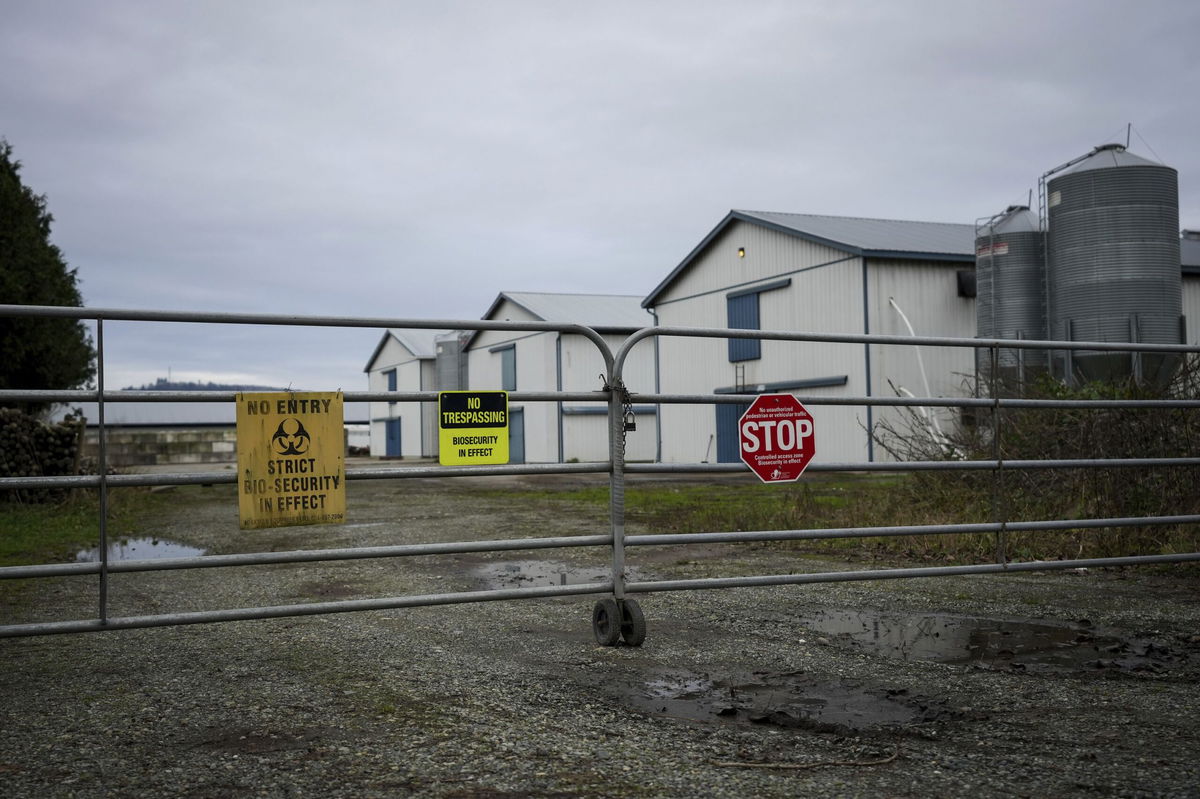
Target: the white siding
pixel 411 375
pixel 928 295
pixel 825 295
pixel 768 255
pixel 506 311
pixel 429 420
pixel 585 437
pixel 535 372
pixel 1191 307
pixel 539 358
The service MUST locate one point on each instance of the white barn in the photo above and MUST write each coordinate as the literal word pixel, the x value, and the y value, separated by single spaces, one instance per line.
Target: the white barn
pixel 824 274
pixel 1189 254
pixel 404 360
pixel 776 271
pixel 558 432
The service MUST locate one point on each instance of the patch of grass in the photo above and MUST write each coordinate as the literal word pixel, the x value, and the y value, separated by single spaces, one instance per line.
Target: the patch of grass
pixel 864 501
pixel 587 495
pixel 50 532
pixel 45 532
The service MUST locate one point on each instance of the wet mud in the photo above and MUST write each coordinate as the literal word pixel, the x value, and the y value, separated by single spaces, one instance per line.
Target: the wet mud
pixel 540 573
pixel 788 699
pixel 796 700
pixel 1010 644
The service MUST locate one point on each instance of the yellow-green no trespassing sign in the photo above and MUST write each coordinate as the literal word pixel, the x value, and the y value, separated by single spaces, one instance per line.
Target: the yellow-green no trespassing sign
pixel 472 427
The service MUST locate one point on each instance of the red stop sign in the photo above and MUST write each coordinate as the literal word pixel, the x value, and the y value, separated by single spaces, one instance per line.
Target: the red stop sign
pixel 778 438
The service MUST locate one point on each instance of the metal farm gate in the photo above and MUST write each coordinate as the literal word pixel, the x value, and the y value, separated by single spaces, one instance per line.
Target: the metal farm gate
pixel 615 616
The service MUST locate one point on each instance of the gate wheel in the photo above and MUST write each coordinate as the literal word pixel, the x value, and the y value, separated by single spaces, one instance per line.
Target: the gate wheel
pixel 633 623
pixel 606 622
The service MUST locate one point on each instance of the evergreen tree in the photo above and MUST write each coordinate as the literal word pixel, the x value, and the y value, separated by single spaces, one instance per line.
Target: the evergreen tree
pixel 36 353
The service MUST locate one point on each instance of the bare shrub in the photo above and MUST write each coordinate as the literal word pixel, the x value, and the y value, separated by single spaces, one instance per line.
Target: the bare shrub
pixel 1070 433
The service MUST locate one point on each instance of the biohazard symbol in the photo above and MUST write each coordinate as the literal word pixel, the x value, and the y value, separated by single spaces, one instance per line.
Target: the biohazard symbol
pixel 290 438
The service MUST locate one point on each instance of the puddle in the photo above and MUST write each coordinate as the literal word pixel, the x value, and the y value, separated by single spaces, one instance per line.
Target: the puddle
pixel 539 573
pixel 993 643
pixel 789 699
pixel 139 549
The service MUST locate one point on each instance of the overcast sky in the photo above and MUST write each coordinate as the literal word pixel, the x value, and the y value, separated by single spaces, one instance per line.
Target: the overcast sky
pixel 414 159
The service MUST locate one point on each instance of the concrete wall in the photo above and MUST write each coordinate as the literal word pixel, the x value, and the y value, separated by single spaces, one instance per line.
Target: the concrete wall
pixel 153 446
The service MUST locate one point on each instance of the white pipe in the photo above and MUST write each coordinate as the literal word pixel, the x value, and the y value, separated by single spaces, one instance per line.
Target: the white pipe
pixel 934 428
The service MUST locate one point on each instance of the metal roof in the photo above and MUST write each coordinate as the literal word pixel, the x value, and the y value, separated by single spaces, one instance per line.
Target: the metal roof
pixel 1016 219
pixel 878 237
pixel 592 310
pixel 604 313
pixel 1189 252
pixel 1107 156
pixel 420 342
pixel 871 238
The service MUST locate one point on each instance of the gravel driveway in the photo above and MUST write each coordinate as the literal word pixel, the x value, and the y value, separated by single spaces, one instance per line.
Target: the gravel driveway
pixel 1029 685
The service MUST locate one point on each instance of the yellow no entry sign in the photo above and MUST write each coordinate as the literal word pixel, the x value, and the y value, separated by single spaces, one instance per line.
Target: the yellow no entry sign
pixel 291 459
pixel 472 427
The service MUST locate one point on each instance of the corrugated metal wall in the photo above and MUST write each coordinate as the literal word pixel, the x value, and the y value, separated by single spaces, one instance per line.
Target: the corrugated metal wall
pixel 927 293
pixel 408 378
pixel 1191 307
pixel 825 295
pixel 585 437
pixel 392 354
pixel 429 420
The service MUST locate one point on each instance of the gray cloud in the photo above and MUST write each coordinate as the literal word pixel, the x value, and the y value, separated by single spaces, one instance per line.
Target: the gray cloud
pixel 412 160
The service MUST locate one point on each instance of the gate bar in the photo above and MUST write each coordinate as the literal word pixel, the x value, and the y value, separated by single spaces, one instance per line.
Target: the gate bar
pixel 889 574
pixel 917 402
pixel 302 556
pixel 599 467
pixel 916 466
pixel 137 395
pixel 817 534
pixel 514 544
pixel 871 338
pixel 210 317
pixel 309 609
pixel 122 395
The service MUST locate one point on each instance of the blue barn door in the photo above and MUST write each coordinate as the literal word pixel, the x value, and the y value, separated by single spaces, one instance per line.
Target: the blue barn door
pixel 392 438
pixel 728 446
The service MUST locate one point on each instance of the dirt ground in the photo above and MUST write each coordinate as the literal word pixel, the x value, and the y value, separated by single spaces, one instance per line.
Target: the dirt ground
pixel 1024 685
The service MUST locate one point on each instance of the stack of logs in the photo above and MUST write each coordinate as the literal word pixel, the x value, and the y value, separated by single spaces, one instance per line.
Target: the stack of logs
pixel 32 448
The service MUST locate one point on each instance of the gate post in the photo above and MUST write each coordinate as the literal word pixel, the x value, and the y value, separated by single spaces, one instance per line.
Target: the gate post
pixel 102 471
pixel 999 509
pixel 616 483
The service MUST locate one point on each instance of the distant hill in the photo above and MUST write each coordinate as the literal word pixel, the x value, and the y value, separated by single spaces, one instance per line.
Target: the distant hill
pixel 162 384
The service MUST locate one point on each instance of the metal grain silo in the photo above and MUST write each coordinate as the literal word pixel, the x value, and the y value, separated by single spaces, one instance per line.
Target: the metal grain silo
pixel 1113 262
pixel 1010 285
